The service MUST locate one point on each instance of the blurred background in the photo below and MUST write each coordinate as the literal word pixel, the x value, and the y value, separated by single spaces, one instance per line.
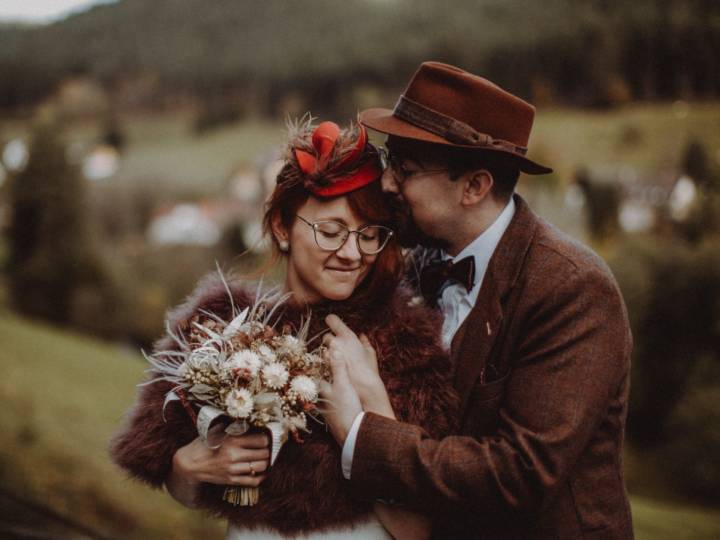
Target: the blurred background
pixel 139 138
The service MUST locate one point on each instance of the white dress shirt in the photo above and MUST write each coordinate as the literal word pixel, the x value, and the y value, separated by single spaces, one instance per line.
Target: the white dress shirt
pixel 455 302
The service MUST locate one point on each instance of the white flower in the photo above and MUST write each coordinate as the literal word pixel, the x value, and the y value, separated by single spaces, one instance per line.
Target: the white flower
pixel 244 359
pixel 239 403
pixel 267 353
pixel 305 388
pixel 292 345
pixel 275 375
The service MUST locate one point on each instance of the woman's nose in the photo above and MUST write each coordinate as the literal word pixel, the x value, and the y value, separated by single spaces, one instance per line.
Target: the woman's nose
pixel 349 250
pixel 388 182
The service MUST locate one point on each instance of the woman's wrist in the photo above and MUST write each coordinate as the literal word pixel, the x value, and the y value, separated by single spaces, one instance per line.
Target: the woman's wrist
pixel 182 469
pixel 180 483
pixel 378 403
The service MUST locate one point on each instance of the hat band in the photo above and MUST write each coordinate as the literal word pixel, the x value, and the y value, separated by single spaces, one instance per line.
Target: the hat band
pixel 449 128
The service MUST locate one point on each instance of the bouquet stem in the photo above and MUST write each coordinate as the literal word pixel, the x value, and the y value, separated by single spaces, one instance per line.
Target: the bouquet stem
pixel 243 496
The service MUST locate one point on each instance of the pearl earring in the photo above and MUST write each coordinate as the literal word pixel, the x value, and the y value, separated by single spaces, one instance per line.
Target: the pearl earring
pixel 284 245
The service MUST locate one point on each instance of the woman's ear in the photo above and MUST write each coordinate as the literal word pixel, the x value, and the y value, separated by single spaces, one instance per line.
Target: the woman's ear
pixel 477 186
pixel 279 232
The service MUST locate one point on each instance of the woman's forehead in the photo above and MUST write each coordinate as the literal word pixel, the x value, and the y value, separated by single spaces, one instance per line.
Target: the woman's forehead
pixel 336 209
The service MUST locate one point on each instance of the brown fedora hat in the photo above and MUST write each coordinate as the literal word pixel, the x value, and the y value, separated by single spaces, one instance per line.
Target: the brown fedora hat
pixel 444 104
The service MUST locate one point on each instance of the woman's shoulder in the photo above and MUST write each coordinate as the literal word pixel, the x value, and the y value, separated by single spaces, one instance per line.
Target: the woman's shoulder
pixel 215 294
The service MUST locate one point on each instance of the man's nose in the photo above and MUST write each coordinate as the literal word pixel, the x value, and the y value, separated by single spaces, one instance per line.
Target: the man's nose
pixel 349 250
pixel 388 182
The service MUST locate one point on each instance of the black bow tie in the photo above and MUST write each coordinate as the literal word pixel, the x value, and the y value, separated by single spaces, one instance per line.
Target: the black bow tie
pixel 435 275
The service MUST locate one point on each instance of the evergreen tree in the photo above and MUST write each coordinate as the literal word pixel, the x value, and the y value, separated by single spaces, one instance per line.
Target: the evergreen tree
pixel 49 248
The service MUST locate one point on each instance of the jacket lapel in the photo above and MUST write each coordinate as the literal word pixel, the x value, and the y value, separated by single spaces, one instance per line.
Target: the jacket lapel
pixel 471 352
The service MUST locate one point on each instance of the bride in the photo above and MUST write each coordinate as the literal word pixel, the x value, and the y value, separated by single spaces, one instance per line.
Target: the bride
pixel 328 219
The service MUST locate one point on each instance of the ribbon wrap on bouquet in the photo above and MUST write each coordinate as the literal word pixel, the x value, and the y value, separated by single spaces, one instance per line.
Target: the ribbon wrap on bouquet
pixel 213 436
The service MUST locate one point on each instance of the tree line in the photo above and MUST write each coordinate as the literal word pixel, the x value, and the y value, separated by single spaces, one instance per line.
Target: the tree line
pixel 580 52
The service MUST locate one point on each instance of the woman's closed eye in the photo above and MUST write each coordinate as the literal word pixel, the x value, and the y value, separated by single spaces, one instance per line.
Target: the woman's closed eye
pixel 331 230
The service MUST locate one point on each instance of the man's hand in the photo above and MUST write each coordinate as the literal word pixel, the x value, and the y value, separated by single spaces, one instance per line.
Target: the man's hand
pixel 356 378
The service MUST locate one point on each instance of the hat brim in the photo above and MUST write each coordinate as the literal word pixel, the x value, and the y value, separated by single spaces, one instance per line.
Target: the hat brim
pixel 384 121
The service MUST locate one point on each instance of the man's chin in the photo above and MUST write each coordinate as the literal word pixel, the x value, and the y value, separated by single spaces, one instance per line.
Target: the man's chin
pixel 409 235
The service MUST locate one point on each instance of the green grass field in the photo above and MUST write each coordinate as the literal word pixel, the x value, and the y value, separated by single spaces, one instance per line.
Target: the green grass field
pixel 646 137
pixel 63 396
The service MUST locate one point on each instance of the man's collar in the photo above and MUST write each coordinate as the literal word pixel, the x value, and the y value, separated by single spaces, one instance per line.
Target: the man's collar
pixel 482 248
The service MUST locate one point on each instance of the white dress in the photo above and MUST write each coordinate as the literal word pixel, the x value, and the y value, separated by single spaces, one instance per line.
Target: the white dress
pixel 367 530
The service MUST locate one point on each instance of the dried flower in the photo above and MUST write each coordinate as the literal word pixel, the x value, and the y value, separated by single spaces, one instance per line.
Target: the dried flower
pixel 267 353
pixel 275 375
pixel 203 357
pixel 304 387
pixel 292 346
pixel 239 403
pixel 244 360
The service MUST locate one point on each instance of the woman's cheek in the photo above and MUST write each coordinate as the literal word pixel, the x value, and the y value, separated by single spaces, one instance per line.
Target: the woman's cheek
pixel 369 262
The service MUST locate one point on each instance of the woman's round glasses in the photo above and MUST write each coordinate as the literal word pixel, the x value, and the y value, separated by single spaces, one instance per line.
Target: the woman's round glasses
pixel 332 235
pixel 398 168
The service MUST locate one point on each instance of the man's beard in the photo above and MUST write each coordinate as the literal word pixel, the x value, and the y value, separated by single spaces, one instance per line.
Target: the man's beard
pixel 407 232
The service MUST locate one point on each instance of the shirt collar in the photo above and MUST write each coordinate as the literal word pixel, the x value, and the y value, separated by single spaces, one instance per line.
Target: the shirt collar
pixel 483 247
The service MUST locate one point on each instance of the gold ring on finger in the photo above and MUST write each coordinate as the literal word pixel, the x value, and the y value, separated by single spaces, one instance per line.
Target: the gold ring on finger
pixel 252 470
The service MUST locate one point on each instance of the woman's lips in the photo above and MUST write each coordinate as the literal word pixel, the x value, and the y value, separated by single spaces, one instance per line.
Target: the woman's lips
pixel 342 271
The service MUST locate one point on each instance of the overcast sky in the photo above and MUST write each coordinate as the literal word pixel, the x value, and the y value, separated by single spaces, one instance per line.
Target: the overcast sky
pixel 40 11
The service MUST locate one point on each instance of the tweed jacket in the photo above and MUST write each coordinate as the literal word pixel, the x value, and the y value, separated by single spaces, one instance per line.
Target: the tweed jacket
pixel 542 368
pixel 304 490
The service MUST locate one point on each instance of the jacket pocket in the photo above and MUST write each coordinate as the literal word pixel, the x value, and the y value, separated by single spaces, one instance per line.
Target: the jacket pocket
pixel 481 412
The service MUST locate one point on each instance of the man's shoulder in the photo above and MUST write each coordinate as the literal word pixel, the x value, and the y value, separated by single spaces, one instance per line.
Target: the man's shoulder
pixel 556 258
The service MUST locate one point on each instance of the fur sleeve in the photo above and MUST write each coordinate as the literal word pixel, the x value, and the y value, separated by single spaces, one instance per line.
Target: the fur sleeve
pixel 146 445
pixel 417 370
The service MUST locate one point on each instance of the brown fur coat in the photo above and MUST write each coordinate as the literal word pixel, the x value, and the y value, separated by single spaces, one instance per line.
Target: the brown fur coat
pixel 305 490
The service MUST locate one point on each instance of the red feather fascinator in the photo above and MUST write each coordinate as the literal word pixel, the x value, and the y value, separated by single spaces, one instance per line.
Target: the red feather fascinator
pixel 332 161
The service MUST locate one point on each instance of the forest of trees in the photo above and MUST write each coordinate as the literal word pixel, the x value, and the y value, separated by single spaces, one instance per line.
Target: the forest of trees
pixel 579 52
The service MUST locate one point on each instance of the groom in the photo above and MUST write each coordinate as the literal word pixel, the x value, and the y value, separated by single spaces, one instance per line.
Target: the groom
pixel 534 322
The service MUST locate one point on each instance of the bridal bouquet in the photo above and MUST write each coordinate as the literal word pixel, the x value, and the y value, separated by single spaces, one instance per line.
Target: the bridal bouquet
pixel 245 373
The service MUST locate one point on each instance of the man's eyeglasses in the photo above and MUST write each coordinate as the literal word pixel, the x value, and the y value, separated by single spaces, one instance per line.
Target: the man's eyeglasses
pixel 398 168
pixel 332 235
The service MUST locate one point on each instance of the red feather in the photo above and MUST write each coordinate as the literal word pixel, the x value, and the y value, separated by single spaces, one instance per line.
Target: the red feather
pixel 307 162
pixel 324 138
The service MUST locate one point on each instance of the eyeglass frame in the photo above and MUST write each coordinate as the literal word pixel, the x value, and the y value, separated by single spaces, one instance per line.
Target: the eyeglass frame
pixel 389 161
pixel 314 224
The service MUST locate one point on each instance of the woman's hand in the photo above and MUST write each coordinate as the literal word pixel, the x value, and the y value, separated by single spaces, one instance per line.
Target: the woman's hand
pixel 359 357
pixel 240 461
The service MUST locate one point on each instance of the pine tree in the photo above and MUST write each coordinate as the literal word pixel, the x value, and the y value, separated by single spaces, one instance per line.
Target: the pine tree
pixel 50 254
